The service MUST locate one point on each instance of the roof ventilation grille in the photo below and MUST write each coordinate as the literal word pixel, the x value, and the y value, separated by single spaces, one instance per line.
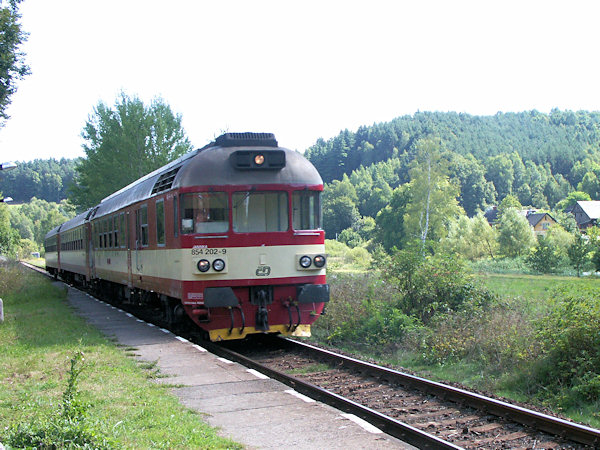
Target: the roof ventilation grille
pixel 165 181
pixel 247 139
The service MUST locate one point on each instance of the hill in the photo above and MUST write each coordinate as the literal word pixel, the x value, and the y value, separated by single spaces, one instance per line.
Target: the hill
pixel 537 157
pixel 45 179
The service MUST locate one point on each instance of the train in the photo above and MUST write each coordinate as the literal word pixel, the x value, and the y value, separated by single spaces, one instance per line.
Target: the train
pixel 227 238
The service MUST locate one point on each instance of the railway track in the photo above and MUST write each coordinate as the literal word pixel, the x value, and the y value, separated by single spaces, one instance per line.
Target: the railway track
pixel 421 412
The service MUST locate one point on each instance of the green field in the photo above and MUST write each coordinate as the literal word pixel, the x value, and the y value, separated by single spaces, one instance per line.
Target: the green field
pixel 534 287
pixel 121 405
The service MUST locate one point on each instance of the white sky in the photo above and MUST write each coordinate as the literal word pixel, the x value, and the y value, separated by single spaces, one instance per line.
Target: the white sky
pixel 302 70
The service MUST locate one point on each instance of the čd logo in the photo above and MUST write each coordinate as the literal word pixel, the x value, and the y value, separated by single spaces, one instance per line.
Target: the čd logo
pixel 263 271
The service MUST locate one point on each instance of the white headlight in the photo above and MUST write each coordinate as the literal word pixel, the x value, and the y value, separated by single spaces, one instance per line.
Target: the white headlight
pixel 218 265
pixel 305 261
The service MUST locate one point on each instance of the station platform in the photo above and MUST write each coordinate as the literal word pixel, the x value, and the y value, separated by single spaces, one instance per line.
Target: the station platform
pixel 247 406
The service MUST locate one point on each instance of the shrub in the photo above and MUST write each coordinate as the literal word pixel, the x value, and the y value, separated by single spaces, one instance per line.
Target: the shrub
pixel 498 338
pixel 432 284
pixel 356 315
pixel 359 257
pixel 382 326
pixel 350 237
pixel 544 258
pixel 569 342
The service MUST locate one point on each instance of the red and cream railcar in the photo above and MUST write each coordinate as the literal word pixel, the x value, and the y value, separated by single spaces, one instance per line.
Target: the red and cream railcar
pixel 66 248
pixel 229 235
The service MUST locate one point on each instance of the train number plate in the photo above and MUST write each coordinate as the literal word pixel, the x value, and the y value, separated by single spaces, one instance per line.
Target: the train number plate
pixel 208 251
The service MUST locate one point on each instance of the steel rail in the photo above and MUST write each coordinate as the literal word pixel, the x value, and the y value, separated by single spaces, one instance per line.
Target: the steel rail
pixel 553 425
pixel 387 424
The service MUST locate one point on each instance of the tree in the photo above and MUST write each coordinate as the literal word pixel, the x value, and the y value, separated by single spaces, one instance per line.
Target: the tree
pixel 484 235
pixel 350 237
pixel 571 200
pixel 34 219
pixel 12 61
pixel 510 201
pixel 433 201
pixel 500 172
pixel 338 214
pixel 125 143
pixel 590 185
pixel 44 179
pixel 544 258
pixel 430 284
pixel 475 191
pixel 579 252
pixel 560 240
pixel 515 234
pixel 471 238
pixel 9 237
pixel 390 220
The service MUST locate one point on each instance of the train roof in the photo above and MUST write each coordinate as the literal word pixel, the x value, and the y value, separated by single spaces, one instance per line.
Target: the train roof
pixel 53 232
pixel 226 161
pixel 76 221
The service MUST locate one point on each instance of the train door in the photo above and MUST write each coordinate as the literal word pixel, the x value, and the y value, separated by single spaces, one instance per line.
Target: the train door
pixel 92 250
pixel 141 238
pixel 58 249
pixel 89 250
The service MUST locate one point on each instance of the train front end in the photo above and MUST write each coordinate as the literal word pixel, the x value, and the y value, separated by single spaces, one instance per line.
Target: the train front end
pixel 253 245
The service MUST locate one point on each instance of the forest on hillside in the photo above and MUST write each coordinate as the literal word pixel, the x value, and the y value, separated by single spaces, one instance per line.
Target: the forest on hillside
pixel 44 179
pixel 538 158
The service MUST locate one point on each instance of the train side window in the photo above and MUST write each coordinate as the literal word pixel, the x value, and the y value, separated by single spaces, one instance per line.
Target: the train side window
pixel 175 218
pixel 306 210
pixel 142 226
pixel 127 241
pixel 204 212
pixel 102 235
pixel 106 229
pixel 116 228
pixel 122 229
pixel 160 222
pixel 110 231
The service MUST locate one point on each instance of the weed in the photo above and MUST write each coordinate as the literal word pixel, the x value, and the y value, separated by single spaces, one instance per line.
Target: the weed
pixel 69 427
pixel 314 368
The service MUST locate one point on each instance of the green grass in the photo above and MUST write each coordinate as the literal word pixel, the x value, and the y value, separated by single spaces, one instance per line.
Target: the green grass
pixel 314 368
pixel 39 337
pixel 39 262
pixel 533 287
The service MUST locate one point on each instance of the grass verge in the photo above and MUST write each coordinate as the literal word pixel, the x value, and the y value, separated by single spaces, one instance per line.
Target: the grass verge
pixel 124 406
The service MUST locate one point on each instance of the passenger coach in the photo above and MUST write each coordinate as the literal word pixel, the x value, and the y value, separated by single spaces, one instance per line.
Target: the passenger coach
pixel 228 235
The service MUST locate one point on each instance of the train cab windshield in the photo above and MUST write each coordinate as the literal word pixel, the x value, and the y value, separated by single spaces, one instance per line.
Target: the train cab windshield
pixel 251 211
pixel 260 212
pixel 306 210
pixel 204 212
